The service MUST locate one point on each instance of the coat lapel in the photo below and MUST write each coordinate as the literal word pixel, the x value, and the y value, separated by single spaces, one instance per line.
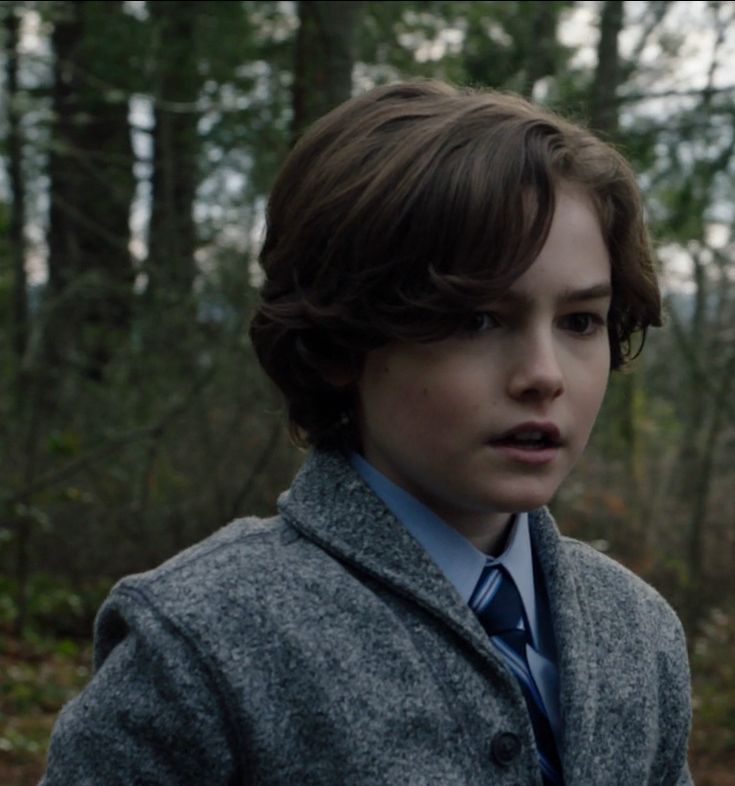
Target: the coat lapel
pixel 331 505
pixel 573 635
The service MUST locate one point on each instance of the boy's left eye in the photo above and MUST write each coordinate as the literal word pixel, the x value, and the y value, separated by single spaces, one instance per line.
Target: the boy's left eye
pixel 480 321
pixel 584 324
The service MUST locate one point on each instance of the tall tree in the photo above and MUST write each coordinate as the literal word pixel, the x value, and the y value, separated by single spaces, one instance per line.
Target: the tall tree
pixel 91 185
pixel 323 58
pixel 513 45
pixel 16 238
pixel 543 35
pixel 603 95
pixel 177 81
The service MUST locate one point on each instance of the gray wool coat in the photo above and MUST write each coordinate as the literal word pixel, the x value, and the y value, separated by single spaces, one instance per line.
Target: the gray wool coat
pixel 323 646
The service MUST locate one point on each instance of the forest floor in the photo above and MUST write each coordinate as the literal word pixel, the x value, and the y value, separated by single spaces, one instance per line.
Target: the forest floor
pixel 38 675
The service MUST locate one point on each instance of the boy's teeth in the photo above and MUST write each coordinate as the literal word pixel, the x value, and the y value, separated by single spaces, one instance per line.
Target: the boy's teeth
pixel 530 436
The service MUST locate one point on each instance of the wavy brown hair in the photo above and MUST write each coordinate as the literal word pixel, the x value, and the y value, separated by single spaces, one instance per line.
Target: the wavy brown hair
pixel 407 208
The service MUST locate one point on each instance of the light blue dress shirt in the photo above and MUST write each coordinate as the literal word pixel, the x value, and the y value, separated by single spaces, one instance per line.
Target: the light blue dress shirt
pixel 462 563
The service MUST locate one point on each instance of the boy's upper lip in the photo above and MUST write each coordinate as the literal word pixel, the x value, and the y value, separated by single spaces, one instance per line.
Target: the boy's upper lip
pixel 549 431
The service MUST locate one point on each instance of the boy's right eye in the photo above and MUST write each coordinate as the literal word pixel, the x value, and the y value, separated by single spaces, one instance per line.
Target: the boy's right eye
pixel 480 322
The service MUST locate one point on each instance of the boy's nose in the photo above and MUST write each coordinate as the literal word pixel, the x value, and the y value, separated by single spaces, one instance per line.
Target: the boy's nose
pixel 536 372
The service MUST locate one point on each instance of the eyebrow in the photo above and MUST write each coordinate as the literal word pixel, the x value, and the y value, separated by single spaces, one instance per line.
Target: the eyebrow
pixel 593 292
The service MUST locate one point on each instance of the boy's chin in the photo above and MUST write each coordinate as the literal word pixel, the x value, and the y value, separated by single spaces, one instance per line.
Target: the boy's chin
pixel 526 500
pixel 527 506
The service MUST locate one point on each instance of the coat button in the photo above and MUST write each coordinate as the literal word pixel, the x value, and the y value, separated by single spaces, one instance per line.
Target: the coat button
pixel 505 747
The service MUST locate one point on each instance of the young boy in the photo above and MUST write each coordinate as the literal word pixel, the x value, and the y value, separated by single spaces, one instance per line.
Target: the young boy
pixel 450 277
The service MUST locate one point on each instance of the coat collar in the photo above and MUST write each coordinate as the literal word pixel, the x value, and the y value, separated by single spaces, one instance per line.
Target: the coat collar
pixel 332 506
pixel 574 638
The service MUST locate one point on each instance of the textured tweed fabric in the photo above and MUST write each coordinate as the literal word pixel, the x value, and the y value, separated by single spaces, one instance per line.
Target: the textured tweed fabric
pixel 323 646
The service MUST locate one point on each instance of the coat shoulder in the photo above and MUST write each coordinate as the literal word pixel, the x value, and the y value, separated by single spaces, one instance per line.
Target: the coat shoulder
pixel 614 590
pixel 233 555
pixel 200 592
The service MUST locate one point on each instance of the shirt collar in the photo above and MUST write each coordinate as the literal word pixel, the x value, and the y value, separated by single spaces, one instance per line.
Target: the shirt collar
pixel 460 561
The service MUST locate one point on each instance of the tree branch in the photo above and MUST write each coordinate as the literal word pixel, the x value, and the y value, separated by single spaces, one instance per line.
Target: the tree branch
pixel 55 476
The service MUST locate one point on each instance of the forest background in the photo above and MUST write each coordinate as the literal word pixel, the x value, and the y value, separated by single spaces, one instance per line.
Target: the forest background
pixel 138 144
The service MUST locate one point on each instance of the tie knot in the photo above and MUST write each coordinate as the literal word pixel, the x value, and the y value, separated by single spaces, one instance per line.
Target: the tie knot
pixel 497 602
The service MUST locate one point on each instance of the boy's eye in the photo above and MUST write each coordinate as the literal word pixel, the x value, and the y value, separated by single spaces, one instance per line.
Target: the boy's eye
pixel 480 321
pixel 584 324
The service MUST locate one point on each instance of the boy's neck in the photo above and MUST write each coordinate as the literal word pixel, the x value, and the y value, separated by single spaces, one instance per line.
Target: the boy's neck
pixel 488 534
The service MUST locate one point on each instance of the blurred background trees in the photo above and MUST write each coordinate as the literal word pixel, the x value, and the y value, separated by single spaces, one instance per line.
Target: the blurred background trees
pixel 139 141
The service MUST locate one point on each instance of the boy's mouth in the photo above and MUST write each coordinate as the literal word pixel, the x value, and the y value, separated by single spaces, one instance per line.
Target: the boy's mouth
pixel 530 436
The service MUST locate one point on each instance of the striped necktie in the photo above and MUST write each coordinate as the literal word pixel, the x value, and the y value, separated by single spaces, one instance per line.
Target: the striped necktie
pixel 498 605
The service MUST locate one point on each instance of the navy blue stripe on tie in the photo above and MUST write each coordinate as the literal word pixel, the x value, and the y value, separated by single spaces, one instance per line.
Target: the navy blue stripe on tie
pixel 498 605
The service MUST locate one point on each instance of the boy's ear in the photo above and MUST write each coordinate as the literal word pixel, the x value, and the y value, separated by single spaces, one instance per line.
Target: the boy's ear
pixel 341 373
pixel 340 376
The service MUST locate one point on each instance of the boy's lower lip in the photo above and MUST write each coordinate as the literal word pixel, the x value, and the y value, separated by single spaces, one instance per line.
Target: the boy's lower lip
pixel 526 455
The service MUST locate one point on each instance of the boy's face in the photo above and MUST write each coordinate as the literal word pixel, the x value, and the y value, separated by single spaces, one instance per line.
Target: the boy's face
pixel 490 421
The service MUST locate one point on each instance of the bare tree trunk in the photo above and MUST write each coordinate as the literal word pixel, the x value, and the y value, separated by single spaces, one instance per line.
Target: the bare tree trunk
pixel 19 328
pixel 603 97
pixel 19 520
pixel 92 185
pixel 323 59
pixel 172 242
pixel 22 514
pixel 704 477
pixel 543 41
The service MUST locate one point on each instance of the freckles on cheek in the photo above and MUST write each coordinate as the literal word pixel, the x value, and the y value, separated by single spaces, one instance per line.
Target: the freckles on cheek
pixel 413 397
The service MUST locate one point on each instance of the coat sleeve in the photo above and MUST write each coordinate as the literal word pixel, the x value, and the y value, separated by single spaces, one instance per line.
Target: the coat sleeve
pixel 685 778
pixel 679 775
pixel 152 714
pixel 677 707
